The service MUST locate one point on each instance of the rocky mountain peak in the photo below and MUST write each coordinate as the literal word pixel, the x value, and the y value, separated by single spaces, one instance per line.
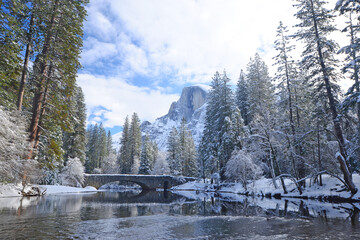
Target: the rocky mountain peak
pixel 191 106
pixel 191 99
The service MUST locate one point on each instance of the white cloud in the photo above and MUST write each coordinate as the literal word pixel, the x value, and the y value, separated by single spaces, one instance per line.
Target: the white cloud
pixel 95 51
pixel 186 41
pixel 121 99
pixel 193 38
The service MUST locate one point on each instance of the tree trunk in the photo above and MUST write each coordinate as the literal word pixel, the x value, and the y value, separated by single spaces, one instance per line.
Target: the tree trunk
pixel 336 121
pixel 319 153
pixel 25 66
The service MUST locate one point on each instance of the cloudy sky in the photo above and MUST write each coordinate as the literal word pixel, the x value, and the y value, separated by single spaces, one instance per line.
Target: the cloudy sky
pixel 139 54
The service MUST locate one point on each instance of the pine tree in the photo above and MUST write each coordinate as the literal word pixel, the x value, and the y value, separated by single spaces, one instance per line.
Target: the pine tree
pixel 10 49
pixel 190 168
pixel 182 138
pixel 173 152
pixel 209 144
pixel 226 134
pixel 241 98
pixel 92 135
pixel 124 155
pixel 287 77
pixel 135 139
pixel 187 151
pixel 263 112
pixel 154 154
pixel 260 88
pixel 74 141
pixel 351 10
pixel 102 146
pixel 218 139
pixel 146 156
pixel 318 58
pixel 109 144
pixel 56 65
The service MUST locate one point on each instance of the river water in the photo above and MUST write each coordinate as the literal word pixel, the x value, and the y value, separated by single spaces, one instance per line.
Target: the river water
pixel 166 215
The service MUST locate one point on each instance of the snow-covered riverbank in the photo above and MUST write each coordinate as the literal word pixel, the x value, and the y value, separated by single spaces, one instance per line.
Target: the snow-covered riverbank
pixel 14 190
pixel 332 189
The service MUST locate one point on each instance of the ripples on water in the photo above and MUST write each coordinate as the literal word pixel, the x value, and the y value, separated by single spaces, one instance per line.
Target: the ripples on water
pixel 159 215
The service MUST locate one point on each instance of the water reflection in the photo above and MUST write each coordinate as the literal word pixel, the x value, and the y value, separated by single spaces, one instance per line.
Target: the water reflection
pixel 166 215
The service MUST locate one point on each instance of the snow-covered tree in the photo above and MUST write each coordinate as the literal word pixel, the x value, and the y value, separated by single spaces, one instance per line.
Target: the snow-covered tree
pixel 351 68
pixel 173 152
pixel 315 25
pixel 110 164
pixel 218 139
pixel 74 141
pixel 190 167
pixel 96 148
pixel 135 140
pixel 241 168
pixel 241 98
pixel 13 146
pixel 288 91
pixel 73 173
pixel 146 156
pixel 263 112
pixel 161 165
pixel 124 154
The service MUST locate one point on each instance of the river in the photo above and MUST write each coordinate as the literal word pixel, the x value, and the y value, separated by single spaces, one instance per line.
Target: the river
pixel 166 215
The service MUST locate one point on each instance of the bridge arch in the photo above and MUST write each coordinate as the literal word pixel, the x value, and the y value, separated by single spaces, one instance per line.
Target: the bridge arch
pixel 146 182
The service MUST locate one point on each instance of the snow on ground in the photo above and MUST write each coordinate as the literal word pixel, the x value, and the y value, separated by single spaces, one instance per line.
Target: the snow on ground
pixel 54 189
pixel 10 190
pixel 13 190
pixel 332 187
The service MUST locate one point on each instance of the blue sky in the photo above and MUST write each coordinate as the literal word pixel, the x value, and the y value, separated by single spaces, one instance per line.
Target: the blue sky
pixel 139 54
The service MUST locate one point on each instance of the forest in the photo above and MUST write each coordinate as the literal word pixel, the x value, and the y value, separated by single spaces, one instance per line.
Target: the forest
pixel 298 124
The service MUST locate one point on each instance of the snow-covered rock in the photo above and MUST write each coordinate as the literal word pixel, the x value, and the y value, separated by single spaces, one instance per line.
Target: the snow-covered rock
pixel 191 106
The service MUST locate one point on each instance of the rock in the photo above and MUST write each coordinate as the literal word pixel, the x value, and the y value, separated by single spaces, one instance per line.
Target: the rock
pixel 191 106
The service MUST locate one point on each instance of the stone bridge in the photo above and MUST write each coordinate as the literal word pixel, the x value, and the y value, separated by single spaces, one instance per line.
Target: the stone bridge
pixel 146 182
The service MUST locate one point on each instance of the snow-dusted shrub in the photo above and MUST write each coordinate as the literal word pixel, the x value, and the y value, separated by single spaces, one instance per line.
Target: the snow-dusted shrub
pixel 109 164
pixel 73 173
pixel 161 165
pixel 13 148
pixel 50 176
pixel 241 168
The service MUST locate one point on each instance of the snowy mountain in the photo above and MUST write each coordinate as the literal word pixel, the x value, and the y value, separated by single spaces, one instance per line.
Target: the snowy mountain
pixel 191 105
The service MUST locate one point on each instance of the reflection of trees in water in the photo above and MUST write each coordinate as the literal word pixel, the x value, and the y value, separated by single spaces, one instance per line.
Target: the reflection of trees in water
pixel 105 205
pixel 299 209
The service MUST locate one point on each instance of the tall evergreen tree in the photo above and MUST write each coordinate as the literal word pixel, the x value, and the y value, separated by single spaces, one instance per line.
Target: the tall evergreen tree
pixel 10 49
pixel 74 141
pixel 173 152
pixel 287 77
pixel 125 154
pixel 190 157
pixel 146 156
pixel 241 98
pixel 109 144
pixel 260 88
pixel 56 64
pixel 135 139
pixel 218 139
pixel 351 10
pixel 318 58
pixel 262 112
pixel 187 151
